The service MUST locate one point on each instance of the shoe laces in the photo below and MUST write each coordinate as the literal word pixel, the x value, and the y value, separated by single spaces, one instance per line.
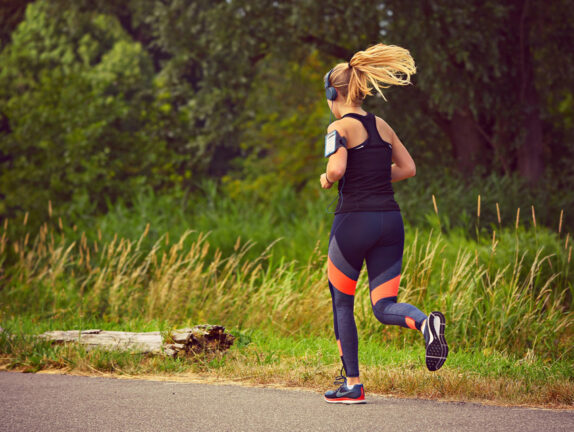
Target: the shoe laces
pixel 341 379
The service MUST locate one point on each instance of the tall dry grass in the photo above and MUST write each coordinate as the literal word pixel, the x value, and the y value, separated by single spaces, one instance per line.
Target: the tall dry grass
pixel 494 293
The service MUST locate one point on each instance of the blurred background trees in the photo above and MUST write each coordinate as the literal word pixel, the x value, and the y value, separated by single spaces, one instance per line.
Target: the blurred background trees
pixel 101 99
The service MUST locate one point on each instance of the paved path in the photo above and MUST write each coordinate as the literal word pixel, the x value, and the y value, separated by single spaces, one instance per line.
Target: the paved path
pixel 39 402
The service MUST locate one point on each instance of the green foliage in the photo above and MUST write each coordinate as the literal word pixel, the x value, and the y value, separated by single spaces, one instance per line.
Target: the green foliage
pixel 99 98
pixel 281 115
pixel 203 122
pixel 457 195
pixel 103 108
pixel 72 91
pixel 511 289
pixel 485 63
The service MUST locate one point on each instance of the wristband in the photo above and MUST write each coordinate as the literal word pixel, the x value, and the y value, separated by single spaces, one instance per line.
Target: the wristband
pixel 328 181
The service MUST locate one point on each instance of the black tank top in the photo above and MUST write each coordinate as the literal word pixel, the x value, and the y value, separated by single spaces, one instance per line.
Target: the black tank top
pixel 366 185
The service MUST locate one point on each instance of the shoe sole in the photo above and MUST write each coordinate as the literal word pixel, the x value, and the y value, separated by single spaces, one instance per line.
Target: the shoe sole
pixel 437 350
pixel 346 401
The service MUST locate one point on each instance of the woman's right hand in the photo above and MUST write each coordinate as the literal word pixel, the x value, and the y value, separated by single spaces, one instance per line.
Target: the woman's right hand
pixel 325 184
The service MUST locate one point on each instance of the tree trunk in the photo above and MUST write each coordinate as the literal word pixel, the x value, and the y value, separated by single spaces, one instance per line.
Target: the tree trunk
pixel 530 161
pixel 529 155
pixel 467 144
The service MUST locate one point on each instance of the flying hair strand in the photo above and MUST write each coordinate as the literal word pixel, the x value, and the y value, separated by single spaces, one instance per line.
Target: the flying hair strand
pixel 378 67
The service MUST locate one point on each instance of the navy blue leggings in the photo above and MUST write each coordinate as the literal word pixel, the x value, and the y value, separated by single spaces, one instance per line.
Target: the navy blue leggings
pixel 377 238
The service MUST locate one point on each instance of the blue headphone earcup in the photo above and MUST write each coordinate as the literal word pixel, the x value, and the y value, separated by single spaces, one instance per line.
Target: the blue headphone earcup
pixel 331 93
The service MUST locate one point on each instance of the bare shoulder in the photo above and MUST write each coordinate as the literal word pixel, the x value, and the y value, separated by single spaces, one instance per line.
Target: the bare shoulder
pixel 385 130
pixel 383 125
pixel 335 125
pixel 341 125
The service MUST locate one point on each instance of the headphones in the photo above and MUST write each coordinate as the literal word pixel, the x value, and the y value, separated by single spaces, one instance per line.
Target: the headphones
pixel 330 92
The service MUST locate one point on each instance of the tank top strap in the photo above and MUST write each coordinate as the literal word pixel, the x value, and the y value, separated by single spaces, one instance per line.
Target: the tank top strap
pixel 369 123
pixel 362 118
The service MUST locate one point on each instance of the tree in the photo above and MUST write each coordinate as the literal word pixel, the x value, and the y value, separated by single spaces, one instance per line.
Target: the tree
pixel 208 53
pixel 11 14
pixel 72 91
pixel 482 67
pixel 488 94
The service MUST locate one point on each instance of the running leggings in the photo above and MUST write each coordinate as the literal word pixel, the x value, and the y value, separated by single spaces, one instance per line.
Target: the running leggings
pixel 377 238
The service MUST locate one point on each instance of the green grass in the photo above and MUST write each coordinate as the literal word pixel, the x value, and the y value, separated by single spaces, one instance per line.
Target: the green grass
pixel 512 294
pixel 260 357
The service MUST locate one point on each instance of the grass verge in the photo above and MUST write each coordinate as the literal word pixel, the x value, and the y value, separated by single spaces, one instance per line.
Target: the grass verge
pixel 507 293
pixel 258 358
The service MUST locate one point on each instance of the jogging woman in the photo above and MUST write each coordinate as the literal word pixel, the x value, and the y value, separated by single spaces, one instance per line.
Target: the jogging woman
pixel 368 225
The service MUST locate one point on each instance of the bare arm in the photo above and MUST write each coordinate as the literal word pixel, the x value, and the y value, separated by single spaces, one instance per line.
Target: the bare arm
pixel 403 165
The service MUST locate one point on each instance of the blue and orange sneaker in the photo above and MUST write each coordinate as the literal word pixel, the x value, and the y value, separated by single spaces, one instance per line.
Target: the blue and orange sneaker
pixel 344 394
pixel 436 346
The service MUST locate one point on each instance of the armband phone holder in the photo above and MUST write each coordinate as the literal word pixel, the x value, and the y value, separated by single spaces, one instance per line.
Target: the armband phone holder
pixel 333 141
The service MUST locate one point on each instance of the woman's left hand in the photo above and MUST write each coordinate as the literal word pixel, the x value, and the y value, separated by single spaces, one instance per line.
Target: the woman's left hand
pixel 324 183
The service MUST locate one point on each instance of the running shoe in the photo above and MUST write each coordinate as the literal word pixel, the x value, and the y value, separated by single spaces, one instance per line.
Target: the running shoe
pixel 344 394
pixel 436 346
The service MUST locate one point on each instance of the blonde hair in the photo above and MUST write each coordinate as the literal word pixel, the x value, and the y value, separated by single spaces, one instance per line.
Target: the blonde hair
pixel 378 67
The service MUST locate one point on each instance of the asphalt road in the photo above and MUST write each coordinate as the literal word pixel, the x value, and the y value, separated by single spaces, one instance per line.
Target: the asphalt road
pixel 39 402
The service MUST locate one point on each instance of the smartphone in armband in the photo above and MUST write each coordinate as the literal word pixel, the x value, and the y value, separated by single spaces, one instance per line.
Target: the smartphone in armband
pixel 333 141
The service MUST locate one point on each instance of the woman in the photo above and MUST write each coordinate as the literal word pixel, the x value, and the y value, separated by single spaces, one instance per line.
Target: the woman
pixel 368 224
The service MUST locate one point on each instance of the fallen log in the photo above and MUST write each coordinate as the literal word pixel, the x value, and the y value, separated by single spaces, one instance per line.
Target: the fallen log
pixel 205 338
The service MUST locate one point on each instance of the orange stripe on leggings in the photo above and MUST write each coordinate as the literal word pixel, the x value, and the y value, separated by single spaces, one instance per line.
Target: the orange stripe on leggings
pixel 340 347
pixel 410 322
pixel 388 289
pixel 340 280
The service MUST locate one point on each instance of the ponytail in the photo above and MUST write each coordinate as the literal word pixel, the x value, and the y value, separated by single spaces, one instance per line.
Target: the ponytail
pixel 378 67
